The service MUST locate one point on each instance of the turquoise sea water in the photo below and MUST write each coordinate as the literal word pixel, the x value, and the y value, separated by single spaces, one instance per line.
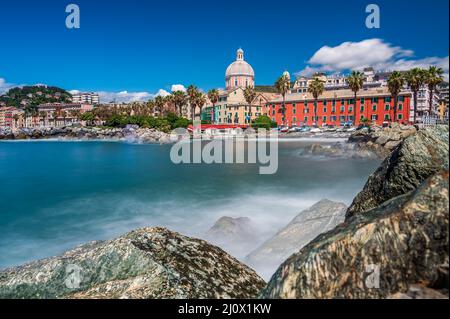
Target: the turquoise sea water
pixel 56 195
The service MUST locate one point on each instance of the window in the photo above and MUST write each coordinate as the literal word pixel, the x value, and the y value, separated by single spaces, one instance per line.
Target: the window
pixel 333 109
pixel 342 102
pixel 306 119
pixel 374 117
pixel 387 99
pixel 273 119
pixel 374 100
pixel 325 102
pixel 324 110
pixel 350 109
pixel 386 117
pixel 294 119
pixel 334 102
pixel 361 109
pixel 363 101
pixel 306 111
pixel 293 109
pixel 401 98
pixel 387 107
pixel 324 118
pixel 342 118
pixel 400 107
pixel 400 116
pixel 374 107
pixel 342 109
pixel 361 117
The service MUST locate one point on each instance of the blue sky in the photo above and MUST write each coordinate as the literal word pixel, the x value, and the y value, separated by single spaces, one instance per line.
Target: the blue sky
pixel 143 46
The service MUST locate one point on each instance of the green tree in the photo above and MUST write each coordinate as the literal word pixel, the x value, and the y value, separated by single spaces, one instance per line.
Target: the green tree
pixel 249 95
pixel 263 121
pixel 316 88
pixel 179 99
pixel 434 77
pixel 213 96
pixel 159 105
pixel 355 82
pixel 415 78
pixel 200 102
pixel 283 85
pixel 192 92
pixel 395 85
pixel 88 117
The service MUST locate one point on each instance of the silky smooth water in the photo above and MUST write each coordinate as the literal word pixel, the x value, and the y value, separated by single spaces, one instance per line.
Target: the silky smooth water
pixel 56 195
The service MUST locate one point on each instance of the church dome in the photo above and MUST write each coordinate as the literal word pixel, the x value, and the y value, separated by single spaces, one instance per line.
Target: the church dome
pixel 239 67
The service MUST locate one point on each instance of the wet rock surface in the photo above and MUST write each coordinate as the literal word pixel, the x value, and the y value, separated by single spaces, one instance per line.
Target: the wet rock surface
pixel 319 218
pixel 145 263
pixel 415 159
pixel 377 254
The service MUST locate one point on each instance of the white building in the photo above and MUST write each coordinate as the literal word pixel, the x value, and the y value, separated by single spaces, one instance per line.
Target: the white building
pixel 86 98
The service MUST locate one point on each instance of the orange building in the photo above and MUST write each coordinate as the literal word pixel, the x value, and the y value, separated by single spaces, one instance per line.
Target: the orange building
pixel 336 108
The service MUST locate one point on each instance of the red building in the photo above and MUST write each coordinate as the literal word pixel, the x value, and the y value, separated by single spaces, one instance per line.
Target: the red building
pixel 336 108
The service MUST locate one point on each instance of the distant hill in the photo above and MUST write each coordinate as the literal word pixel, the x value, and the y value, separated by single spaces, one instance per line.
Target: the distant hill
pixel 30 96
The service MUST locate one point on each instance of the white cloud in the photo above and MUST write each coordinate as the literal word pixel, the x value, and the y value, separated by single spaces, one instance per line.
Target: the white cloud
pixel 5 86
pixel 124 96
pixel 178 87
pixel 162 93
pixel 367 53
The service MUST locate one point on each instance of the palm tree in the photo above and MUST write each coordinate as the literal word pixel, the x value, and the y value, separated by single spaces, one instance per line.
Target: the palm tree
pixel 159 104
pixel 316 88
pixel 249 95
pixel 213 96
pixel 395 85
pixel 283 85
pixel 200 101
pixel 55 117
pixel 415 79
pixel 179 99
pixel 355 82
pixel 192 93
pixel 434 77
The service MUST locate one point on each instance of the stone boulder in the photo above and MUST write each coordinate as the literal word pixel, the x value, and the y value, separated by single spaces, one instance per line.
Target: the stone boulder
pixel 415 159
pixel 381 140
pixel 377 254
pixel 237 236
pixel 319 218
pixel 145 263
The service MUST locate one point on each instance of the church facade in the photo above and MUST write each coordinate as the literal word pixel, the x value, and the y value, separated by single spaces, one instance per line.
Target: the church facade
pixel 232 108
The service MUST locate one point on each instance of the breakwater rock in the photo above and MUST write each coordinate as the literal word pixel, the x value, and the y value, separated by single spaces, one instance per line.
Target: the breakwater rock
pixel 145 263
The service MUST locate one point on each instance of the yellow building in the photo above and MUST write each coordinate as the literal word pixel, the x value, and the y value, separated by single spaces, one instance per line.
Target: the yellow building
pixel 232 108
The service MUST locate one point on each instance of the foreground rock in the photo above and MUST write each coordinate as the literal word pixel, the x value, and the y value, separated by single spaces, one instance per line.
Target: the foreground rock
pixel 402 242
pixel 380 140
pixel 146 263
pixel 237 236
pixel 319 218
pixel 130 134
pixel 415 159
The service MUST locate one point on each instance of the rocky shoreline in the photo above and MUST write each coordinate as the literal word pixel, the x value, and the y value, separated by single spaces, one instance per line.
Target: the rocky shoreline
pixel 72 133
pixel 393 243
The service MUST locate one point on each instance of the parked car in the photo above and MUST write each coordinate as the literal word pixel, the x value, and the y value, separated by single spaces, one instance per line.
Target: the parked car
pixel 284 129
pixel 316 130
